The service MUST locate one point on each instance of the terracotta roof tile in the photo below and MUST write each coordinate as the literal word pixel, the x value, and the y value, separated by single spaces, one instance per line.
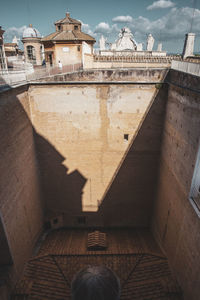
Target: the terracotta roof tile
pixel 68 20
pixel 68 36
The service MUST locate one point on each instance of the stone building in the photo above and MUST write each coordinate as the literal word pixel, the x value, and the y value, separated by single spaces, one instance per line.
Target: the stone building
pixel 32 46
pixel 3 64
pixel 126 45
pixel 125 41
pixel 68 44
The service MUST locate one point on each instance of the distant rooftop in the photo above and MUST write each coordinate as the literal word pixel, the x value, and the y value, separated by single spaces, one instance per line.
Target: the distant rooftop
pixel 68 20
pixel 31 32
pixel 68 29
pixel 68 36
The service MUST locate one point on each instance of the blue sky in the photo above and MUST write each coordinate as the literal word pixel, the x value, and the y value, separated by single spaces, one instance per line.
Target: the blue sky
pixel 167 20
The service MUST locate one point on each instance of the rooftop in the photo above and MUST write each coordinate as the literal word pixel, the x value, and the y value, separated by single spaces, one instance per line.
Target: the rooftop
pixel 68 20
pixel 31 32
pixel 67 32
pixel 68 36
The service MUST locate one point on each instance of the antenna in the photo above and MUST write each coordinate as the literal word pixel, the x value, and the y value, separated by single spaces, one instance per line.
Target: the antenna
pixel 28 11
pixel 192 21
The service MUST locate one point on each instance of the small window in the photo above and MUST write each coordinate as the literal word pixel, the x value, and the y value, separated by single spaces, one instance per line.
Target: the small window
pixel 31 54
pixel 75 27
pixel 81 220
pixel 79 48
pixel 55 221
pixel 195 187
pixel 59 27
pixel 126 137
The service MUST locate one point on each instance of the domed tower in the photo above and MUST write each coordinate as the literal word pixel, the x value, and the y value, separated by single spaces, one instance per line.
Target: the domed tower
pixel 32 45
pixel 68 43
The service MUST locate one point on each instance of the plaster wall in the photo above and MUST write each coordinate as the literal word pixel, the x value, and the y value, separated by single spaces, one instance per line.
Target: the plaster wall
pixel 84 135
pixel 175 222
pixel 69 57
pixel 20 202
pixel 38 52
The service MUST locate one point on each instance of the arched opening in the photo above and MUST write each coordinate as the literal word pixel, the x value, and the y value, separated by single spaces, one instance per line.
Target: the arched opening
pixel 31 54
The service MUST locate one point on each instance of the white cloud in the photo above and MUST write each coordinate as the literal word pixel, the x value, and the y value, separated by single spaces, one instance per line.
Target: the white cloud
pixel 161 4
pixel 122 19
pixel 174 25
pixel 102 28
pixel 167 29
pixel 11 32
pixel 86 28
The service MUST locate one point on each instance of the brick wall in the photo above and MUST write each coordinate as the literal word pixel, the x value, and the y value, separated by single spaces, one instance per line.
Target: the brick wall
pixel 175 223
pixel 20 203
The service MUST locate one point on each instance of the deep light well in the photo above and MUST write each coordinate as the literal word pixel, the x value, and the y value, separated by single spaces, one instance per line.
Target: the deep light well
pixel 117 154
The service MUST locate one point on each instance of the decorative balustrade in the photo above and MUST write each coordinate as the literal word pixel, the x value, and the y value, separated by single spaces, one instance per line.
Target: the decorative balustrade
pixel 136 59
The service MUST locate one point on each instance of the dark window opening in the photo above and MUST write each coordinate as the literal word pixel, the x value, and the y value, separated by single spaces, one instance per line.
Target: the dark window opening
pixel 76 27
pixel 81 220
pixel 79 48
pixel 50 59
pixel 31 54
pixel 126 137
pixel 55 221
pixel 59 27
pixel 47 225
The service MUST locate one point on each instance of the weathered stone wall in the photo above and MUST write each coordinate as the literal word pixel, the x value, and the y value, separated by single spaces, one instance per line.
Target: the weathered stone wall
pixel 133 75
pixel 88 141
pixel 20 203
pixel 175 223
pixel 98 148
pixel 109 63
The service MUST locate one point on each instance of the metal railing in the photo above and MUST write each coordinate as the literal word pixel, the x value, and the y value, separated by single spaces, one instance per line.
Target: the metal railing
pixel 15 77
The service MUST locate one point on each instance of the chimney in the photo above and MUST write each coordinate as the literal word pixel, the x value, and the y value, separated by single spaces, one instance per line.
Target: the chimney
pixel 189 45
pixel 67 14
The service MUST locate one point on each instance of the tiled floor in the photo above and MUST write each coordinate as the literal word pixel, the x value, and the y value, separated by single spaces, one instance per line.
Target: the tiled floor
pixel 132 254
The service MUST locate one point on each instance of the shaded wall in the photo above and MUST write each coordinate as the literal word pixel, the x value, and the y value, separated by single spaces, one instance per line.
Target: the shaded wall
pixel 20 205
pixel 129 198
pixel 92 160
pixel 175 223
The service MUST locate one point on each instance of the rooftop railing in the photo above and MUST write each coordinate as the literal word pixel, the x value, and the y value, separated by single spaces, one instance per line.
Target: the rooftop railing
pixel 14 77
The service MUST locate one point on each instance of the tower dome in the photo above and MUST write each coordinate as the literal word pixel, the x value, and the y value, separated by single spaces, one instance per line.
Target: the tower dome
pixel 31 32
pixel 32 46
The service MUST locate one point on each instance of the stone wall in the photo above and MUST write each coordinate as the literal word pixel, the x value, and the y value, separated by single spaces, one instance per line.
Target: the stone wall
pixel 87 141
pixel 98 148
pixel 20 203
pixel 109 63
pixel 138 75
pixel 175 223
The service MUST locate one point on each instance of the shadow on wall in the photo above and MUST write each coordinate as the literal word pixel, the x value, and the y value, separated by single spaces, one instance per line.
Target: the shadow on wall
pixel 128 200
pixel 62 191
pixel 25 159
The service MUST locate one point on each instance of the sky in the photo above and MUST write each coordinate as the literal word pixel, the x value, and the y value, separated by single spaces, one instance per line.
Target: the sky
pixel 168 21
